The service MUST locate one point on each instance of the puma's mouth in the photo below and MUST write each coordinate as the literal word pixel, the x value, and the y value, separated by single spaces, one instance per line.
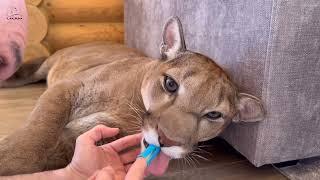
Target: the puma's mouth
pixel 165 141
pixel 145 143
pixel 169 150
pixel 160 164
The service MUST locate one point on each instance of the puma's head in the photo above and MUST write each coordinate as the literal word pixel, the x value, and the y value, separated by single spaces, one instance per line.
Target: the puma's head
pixel 189 98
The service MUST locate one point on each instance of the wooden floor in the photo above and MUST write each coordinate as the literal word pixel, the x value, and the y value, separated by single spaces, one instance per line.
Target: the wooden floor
pixel 16 104
pixel 224 162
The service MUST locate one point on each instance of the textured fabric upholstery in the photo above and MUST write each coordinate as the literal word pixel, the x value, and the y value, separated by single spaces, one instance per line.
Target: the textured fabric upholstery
pixel 271 49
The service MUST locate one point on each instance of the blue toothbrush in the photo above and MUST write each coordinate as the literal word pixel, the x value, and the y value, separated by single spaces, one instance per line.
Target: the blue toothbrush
pixel 150 153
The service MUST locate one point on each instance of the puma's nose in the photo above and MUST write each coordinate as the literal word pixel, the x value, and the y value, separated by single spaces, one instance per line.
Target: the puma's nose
pixel 165 141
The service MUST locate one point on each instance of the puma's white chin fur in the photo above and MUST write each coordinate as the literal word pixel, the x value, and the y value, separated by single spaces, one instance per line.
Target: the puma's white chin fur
pixel 151 137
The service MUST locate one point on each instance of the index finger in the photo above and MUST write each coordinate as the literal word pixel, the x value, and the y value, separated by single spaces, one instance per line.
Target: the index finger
pixel 136 171
pixel 97 133
pixel 125 142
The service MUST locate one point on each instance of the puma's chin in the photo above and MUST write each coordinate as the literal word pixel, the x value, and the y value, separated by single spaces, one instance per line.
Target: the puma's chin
pixel 151 136
pixel 175 152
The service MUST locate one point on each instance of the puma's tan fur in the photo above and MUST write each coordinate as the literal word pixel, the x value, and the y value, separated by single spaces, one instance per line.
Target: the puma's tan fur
pixel 106 83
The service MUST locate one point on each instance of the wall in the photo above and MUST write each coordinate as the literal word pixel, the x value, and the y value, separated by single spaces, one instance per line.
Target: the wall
pixel 55 24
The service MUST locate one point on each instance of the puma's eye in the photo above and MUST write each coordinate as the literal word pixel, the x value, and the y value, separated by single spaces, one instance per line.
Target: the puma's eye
pixel 213 115
pixel 170 85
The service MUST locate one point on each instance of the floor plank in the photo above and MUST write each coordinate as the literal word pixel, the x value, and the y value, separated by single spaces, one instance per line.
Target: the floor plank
pixel 223 163
pixel 16 104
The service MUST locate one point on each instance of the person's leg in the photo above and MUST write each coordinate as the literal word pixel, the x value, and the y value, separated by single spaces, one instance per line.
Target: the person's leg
pixel 13 32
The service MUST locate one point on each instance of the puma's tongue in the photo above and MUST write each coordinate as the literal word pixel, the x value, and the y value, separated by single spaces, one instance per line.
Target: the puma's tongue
pixel 159 165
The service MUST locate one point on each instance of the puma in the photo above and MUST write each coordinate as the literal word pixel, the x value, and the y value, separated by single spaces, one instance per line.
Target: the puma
pixel 176 102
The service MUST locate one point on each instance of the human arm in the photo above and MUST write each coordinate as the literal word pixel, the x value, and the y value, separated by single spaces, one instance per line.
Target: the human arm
pixel 136 171
pixel 65 173
pixel 88 158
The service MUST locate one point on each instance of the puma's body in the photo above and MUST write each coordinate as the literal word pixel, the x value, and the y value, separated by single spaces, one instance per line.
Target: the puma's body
pixel 110 77
pixel 176 103
pixel 104 80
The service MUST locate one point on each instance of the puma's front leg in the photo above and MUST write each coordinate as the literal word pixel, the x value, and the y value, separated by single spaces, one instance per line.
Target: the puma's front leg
pixel 25 151
pixel 61 155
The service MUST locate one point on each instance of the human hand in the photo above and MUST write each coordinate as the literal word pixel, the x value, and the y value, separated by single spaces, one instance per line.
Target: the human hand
pixel 136 171
pixel 89 158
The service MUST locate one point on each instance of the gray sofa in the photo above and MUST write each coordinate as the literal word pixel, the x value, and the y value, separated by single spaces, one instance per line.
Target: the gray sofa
pixel 271 48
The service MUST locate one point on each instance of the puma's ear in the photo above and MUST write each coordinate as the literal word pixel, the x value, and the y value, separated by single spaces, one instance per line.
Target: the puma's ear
pixel 250 109
pixel 172 39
